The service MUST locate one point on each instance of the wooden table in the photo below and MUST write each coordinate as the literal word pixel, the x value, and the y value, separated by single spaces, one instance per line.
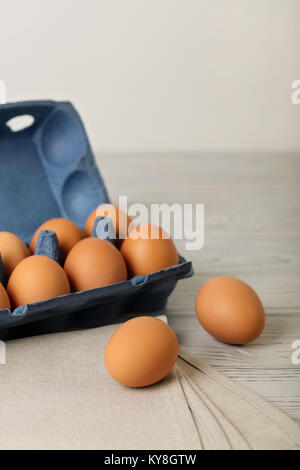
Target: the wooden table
pixel 252 231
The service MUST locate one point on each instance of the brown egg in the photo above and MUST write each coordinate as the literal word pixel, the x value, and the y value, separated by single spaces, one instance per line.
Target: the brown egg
pixel 12 251
pixel 4 299
pixel 147 255
pixel 67 232
pixel 37 278
pixel 94 263
pixel 230 310
pixel 141 352
pixel 119 218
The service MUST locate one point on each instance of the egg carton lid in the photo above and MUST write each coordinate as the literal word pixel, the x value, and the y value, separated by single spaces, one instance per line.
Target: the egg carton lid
pixel 47 169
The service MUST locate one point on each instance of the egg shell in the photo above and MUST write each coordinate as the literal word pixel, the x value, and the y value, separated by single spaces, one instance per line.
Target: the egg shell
pixel 4 299
pixel 230 310
pixel 118 217
pixel 147 255
pixel 67 232
pixel 141 352
pixel 37 278
pixel 94 263
pixel 13 250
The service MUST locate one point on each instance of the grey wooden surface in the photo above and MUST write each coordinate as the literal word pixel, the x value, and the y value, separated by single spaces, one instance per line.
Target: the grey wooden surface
pixel 252 231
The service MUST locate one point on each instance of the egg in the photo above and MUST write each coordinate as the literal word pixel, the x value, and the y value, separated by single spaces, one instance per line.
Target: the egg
pixel 37 278
pixel 94 263
pixel 230 310
pixel 146 255
pixel 12 250
pixel 141 352
pixel 4 299
pixel 67 232
pixel 119 218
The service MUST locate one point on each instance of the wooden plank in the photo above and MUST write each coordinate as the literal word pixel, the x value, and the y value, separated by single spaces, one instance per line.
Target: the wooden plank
pixel 252 231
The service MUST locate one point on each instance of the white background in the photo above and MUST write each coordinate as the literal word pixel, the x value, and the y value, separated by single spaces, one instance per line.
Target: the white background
pixel 161 75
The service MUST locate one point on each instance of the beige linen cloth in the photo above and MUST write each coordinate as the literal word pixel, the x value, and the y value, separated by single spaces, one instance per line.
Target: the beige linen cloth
pixel 56 394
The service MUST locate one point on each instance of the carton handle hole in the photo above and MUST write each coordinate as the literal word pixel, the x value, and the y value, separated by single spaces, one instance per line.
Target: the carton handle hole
pixel 20 123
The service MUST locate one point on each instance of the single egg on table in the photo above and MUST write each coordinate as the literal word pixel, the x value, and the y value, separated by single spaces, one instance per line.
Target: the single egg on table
pixel 67 232
pixel 12 250
pixel 93 263
pixel 4 299
pixel 141 352
pixel 148 249
pixel 120 220
pixel 230 310
pixel 37 278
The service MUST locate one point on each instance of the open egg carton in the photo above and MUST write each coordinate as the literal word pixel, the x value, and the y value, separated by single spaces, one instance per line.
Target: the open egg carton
pixel 47 170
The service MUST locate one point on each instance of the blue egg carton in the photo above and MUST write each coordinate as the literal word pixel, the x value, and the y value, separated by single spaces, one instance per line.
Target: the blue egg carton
pixel 48 170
